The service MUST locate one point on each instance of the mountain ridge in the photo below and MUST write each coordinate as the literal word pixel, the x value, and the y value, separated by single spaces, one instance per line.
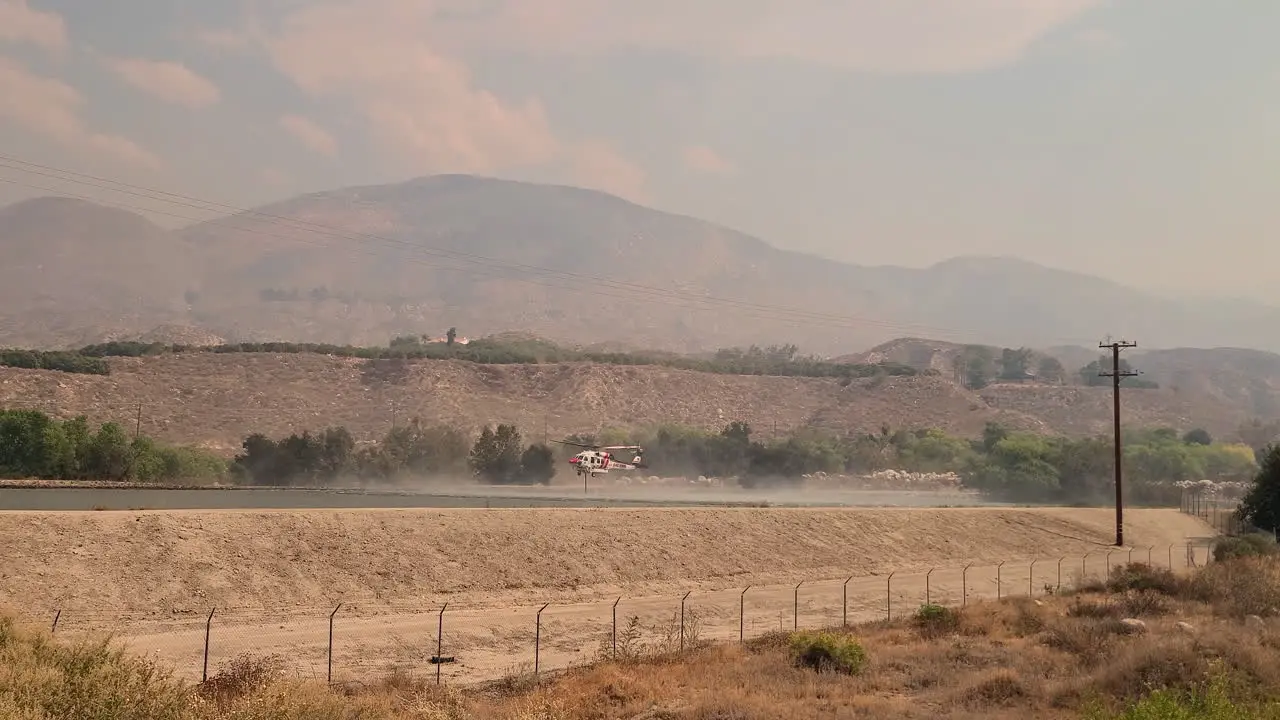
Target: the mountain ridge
pixel 363 263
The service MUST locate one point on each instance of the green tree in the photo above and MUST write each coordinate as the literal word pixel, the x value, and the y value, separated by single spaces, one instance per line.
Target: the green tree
pixel 934 451
pixel 495 457
pixel 109 455
pixel 1198 436
pixel 538 464
pixel 1259 435
pixel 24 439
pixel 976 373
pixel 1091 375
pixel 421 450
pixel 1051 370
pixel 992 434
pixel 1261 506
pixel 258 463
pixel 1015 364
pixel 1018 468
pixel 451 336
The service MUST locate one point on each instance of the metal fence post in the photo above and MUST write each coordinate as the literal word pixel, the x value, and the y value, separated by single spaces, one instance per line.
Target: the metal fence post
pixel 1170 556
pixel 56 616
pixel 888 596
pixel 1031 577
pixel 1064 557
pixel 329 677
pixel 537 641
pixel 844 603
pixel 795 607
pixel 1084 566
pixel 686 597
pixel 964 585
pixel 1130 560
pixel 1149 549
pixel 928 595
pixel 440 641
pixel 208 626
pixel 615 627
pixel 742 614
pixel 999 581
pixel 1108 575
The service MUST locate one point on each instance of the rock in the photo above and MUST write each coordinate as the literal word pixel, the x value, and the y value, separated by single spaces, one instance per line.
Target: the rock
pixel 1253 622
pixel 1186 627
pixel 1134 625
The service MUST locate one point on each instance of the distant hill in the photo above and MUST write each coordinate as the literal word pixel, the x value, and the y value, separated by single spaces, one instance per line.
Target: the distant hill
pixel 215 399
pixel 1220 387
pixel 360 265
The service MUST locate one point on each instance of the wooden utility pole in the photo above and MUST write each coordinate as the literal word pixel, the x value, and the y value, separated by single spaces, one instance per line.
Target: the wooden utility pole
pixel 1116 376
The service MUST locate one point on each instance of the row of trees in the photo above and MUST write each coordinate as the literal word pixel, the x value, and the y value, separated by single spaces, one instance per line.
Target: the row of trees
pixel 977 366
pixel 63 361
pixel 497 456
pixel 33 444
pixel 777 360
pixel 1005 465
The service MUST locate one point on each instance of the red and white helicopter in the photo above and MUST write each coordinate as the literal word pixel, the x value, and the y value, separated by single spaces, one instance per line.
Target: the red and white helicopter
pixel 599 459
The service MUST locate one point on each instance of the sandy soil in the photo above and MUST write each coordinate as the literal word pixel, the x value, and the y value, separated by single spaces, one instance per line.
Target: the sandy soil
pixel 272 578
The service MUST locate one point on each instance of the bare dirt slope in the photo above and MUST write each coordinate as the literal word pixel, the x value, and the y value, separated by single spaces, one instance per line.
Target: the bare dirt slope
pixel 218 399
pixel 160 561
pixel 273 579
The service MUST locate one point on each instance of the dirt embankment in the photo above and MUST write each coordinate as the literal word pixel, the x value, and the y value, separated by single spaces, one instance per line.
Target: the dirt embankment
pixel 157 561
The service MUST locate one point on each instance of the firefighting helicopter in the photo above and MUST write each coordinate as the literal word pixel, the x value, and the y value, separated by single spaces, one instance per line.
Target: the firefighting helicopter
pixel 599 459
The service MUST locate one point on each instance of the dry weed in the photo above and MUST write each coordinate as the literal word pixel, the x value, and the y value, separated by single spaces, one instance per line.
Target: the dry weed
pixel 1011 659
pixel 1002 688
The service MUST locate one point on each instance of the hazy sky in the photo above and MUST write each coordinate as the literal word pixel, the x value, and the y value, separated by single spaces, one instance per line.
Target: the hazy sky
pixel 1135 139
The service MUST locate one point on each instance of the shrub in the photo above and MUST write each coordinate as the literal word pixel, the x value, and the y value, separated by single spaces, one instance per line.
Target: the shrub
pixel 1144 577
pixel 1251 545
pixel 935 620
pixel 1247 586
pixel 1202 701
pixel 41 679
pixel 1145 604
pixel 828 652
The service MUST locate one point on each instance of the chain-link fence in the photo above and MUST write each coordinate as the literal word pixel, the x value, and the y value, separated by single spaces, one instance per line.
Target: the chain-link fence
pixel 364 639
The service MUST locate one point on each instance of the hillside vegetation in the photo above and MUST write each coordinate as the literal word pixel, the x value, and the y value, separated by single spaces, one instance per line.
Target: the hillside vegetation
pixel 1144 645
pixel 775 360
pixel 214 399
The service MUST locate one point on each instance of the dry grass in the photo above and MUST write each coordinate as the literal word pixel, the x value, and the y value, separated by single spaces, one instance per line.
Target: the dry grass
pixel 216 399
pixel 1013 659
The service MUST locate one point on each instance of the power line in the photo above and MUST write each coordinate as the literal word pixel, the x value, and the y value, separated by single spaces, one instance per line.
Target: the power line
pixel 1116 375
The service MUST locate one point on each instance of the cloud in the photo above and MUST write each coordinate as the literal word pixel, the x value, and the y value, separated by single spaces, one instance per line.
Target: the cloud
pixel 902 36
pixel 169 81
pixel 50 107
pixel 421 105
pixel 595 163
pixel 704 159
pixel 309 134
pixel 19 23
